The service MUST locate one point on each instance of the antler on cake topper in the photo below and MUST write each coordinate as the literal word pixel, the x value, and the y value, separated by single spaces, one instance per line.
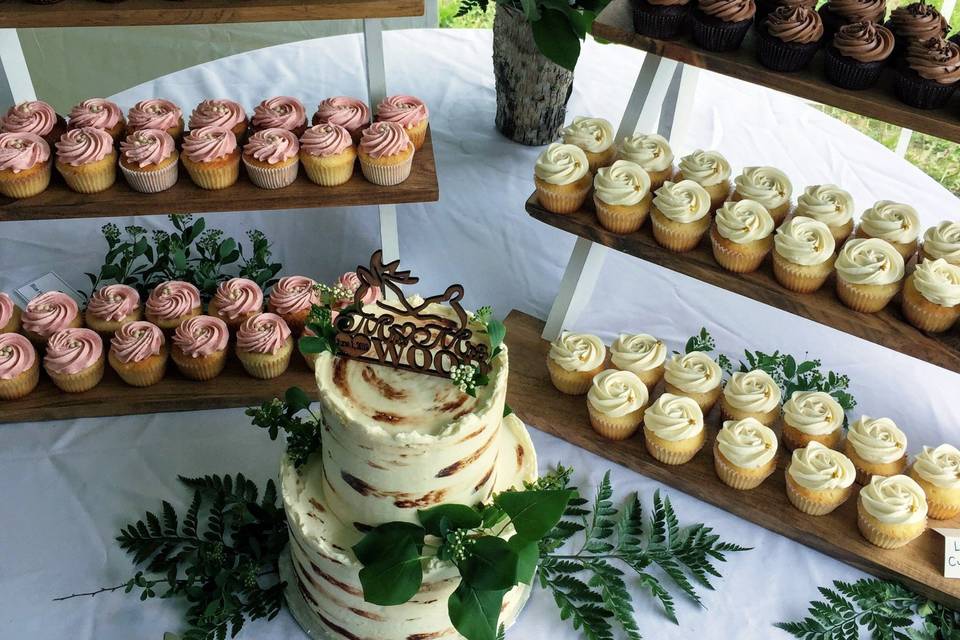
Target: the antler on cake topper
pixel 403 334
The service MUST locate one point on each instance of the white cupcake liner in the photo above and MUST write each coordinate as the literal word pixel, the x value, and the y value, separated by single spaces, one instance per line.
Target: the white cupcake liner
pixel 274 177
pixel 387 175
pixel 151 181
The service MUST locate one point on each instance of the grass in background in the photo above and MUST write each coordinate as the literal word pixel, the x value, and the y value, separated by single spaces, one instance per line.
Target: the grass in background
pixel 937 158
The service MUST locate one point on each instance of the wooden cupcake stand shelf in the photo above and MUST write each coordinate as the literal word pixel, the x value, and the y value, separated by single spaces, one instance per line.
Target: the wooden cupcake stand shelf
pixel 59 202
pixel 538 403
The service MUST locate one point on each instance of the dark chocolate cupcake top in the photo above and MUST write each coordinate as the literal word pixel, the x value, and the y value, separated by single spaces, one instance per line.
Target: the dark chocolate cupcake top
pixel 864 41
pixel 798 25
pixel 728 10
pixel 935 59
pixel 918 20
pixel 669 3
pixel 857 10
pixel 810 4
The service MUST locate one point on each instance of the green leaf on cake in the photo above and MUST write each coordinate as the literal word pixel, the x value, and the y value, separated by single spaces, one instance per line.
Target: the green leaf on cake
pixel 297 399
pixel 440 519
pixel 528 556
pixel 496 331
pixel 376 544
pixel 474 613
pixel 394 577
pixel 314 344
pixel 491 564
pixel 534 513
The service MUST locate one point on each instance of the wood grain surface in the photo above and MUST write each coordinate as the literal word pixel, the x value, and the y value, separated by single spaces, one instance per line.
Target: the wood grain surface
pixel 615 24
pixel 537 402
pixel 59 202
pixel 887 328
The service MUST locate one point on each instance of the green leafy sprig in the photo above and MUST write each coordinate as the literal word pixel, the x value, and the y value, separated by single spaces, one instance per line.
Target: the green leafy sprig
pixel 468 377
pixel 193 253
pixel 793 375
pixel 220 556
pixel 703 341
pixel 303 436
pixel 884 610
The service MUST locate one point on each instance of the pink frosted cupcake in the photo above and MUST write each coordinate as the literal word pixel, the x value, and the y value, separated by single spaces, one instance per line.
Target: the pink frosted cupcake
pixel 386 154
pixel 172 302
pixel 74 360
pixel 87 160
pixel 264 345
pixel 282 112
pixel 34 116
pixel 98 113
pixel 236 300
pixel 48 313
pixel 200 347
pixel 9 314
pixel 156 113
pixel 148 160
pixel 292 298
pixel 327 154
pixel 220 113
pixel 350 113
pixel 272 158
pixel 212 157
pixel 408 112
pixel 19 367
pixel 138 353
pixel 24 165
pixel 111 307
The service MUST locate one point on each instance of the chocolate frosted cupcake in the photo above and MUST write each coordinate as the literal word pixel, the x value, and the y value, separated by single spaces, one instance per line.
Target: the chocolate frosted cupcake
pixel 659 18
pixel 929 74
pixel 858 54
pixel 720 25
pixel 766 7
pixel 789 38
pixel 916 22
pixel 836 13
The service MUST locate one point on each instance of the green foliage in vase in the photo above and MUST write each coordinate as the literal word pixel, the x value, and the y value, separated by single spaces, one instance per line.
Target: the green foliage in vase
pixel 303 436
pixel 558 25
pixel 878 609
pixel 193 253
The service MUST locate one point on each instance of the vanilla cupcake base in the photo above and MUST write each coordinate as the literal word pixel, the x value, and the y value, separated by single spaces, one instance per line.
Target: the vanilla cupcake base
pixel 90 178
pixel 329 171
pixel 20 386
pixel 792 438
pixel 202 368
pixel 81 381
pixel 145 373
pixel 923 314
pixel 942 503
pixel 866 298
pixel 815 503
pixel 678 237
pixel 615 428
pixel 275 177
pixel 673 452
pixel 649 377
pixel 739 258
pixel 152 181
pixel 767 418
pixel 563 198
pixel 622 218
pixel 740 478
pixel 600 159
pixel 801 278
pixel 866 470
pixel 385 173
pixel 572 383
pixel 887 536
pixel 26 184
pixel 266 366
pixel 705 400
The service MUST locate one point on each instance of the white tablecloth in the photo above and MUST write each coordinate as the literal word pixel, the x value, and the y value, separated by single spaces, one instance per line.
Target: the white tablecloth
pixel 68 486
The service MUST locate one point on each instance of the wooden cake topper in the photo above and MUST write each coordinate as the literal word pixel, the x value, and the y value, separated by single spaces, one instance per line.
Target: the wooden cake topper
pixel 404 335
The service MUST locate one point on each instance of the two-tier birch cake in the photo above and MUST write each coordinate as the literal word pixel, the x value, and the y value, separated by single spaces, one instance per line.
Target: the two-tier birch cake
pixel 396 441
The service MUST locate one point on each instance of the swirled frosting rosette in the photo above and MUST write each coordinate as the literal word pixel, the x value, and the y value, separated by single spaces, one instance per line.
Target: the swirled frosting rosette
pixel 745 453
pixel 264 345
pixel 931 296
pixel 767 186
pixel 172 302
pixel 74 359
pixel 48 313
pixel 622 196
pixel 876 446
pixel 695 375
pixel 272 158
pixel 673 429
pixel 350 113
pixel 803 254
pixel 292 298
pixel 98 113
pixel 148 160
pixel 751 394
pixel 281 112
pixel 594 136
pixel 156 113
pixel 138 353
pixel 33 116
pixel 615 403
pixel 650 151
pixel 573 360
pixel 937 471
pixel 942 241
pixel 680 215
pixel 892 511
pixel 741 235
pixel 819 479
pixel 897 223
pixel 9 314
pixel 931 73
pixel 811 416
pixel 19 368
pixel 219 113
pixel 869 274
pixel 386 153
pixel 112 306
pixel 200 347
pixel 640 353
pixel 409 112
pixel 236 300
pixel 831 205
pixel 87 160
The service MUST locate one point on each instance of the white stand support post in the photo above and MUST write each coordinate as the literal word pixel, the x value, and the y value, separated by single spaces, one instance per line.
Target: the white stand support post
pixel 903 142
pixel 377 91
pixel 15 83
pixel 651 90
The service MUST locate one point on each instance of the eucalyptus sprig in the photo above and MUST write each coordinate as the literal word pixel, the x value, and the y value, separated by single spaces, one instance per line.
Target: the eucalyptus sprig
pixel 793 375
pixel 703 341
pixel 220 556
pixel 303 436
pixel 885 610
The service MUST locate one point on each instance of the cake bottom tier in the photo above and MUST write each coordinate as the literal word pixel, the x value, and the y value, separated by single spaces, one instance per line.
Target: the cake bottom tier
pixel 327 573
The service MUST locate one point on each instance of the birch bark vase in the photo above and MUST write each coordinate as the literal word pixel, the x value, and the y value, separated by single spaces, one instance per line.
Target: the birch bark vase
pixel 532 90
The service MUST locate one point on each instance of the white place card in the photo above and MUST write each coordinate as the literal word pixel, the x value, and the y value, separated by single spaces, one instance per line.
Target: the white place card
pixel 951 552
pixel 47 282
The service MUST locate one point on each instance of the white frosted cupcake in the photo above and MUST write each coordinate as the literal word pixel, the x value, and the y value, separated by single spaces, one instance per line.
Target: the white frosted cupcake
pixel 681 215
pixel 694 375
pixel 869 274
pixel 811 416
pixel 673 429
pixel 562 176
pixel 894 222
pixel 573 360
pixel 594 136
pixel 641 354
pixel 891 511
pixel 831 205
pixel 877 447
pixel 751 394
pixel 931 296
pixel 937 471
pixel 819 479
pixel 615 403
pixel 650 151
pixel 742 235
pixel 803 254
pixel 621 195
pixel 745 453
pixel 711 171
pixel 768 186
pixel 942 241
